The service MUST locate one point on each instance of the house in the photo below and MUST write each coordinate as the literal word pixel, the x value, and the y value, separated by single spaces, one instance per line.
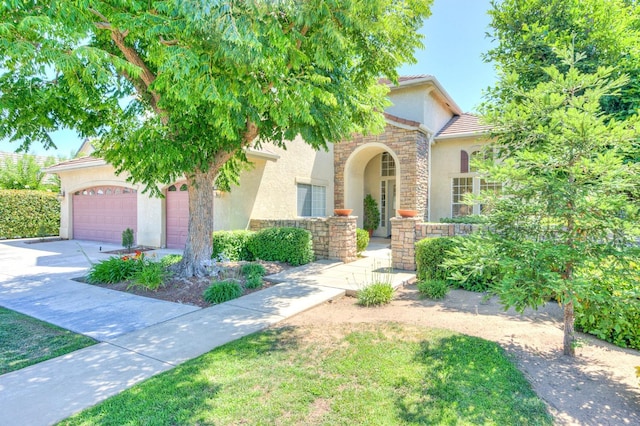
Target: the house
pixel 420 162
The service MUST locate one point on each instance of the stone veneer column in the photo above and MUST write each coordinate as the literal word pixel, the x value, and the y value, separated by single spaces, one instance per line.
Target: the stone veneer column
pixel 342 238
pixel 403 243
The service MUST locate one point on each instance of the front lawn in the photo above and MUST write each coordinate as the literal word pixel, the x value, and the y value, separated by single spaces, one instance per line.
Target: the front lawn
pixel 26 341
pixel 376 374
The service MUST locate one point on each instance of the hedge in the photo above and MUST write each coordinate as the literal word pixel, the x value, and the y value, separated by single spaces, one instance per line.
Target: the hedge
pixel 28 213
pixel 232 244
pixel 290 245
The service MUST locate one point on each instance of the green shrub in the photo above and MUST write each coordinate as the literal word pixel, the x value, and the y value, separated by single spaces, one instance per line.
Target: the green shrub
pixel 430 254
pixel 362 240
pixel 27 213
pixel 470 219
pixel 253 269
pixel 114 270
pixel 433 289
pixel 612 309
pixel 222 291
pixel 150 276
pixel 232 245
pixel 291 245
pixel 253 281
pixel 375 294
pixel 170 259
pixel 127 239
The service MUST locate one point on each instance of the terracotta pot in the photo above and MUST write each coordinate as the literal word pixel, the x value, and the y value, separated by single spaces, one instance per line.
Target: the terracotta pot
pixel 342 212
pixel 407 213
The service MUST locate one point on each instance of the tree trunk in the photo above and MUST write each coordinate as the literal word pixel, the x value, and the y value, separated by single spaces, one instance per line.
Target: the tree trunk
pixel 197 252
pixel 569 332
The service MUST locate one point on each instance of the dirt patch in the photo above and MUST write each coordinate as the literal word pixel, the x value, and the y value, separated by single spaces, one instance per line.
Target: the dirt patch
pixel 598 387
pixel 189 291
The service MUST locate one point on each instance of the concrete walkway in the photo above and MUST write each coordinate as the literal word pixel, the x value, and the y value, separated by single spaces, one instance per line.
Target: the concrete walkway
pixel 140 337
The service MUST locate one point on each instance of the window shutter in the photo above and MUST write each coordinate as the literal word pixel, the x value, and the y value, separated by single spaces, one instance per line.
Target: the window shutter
pixel 464 161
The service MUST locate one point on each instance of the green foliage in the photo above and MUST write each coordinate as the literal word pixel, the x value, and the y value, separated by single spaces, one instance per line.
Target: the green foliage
pixel 371 219
pixel 222 291
pixel 253 269
pixel 26 173
pixel 610 309
pixel 114 270
pixel 470 219
pixel 430 255
pixel 170 259
pixel 527 32
pixel 433 289
pixel 27 213
pixel 375 294
pixel 290 245
pixel 362 240
pixel 151 275
pixel 253 282
pixel 233 245
pixel 567 195
pixel 127 239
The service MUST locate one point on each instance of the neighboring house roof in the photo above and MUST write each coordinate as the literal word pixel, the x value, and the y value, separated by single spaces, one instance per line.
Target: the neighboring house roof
pixel 14 156
pixel 463 125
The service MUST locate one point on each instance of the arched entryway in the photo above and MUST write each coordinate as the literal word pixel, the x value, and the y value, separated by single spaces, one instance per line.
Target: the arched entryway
pixel 373 169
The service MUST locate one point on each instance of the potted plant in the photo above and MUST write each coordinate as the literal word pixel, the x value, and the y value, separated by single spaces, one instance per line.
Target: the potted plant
pixel 371 214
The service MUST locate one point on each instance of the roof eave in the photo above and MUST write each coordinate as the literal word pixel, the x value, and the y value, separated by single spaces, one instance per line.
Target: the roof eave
pixel 476 133
pixel 430 79
pixel 56 168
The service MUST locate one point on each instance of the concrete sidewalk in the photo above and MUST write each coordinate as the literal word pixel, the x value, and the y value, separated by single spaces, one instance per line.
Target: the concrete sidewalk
pixel 140 337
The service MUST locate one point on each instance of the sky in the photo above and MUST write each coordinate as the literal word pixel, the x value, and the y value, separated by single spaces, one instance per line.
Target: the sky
pixel 454 42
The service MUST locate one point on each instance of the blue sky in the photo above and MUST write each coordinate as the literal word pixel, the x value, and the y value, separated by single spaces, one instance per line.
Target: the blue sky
pixel 454 42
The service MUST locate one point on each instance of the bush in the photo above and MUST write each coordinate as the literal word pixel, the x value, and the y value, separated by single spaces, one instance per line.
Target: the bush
pixel 222 291
pixel 430 254
pixel 290 245
pixel 150 276
pixel 28 213
pixel 170 259
pixel 375 294
pixel 433 289
pixel 612 309
pixel 114 270
pixel 253 281
pixel 362 240
pixel 232 245
pixel 470 219
pixel 127 239
pixel 253 269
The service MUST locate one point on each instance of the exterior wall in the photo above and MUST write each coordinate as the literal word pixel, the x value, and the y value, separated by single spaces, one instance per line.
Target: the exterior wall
pixel 406 232
pixel 436 113
pixel 408 103
pixel 333 237
pixel 269 189
pixel 445 165
pixel 410 150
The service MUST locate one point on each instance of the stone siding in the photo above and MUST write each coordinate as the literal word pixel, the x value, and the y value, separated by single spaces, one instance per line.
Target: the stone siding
pixel 411 148
pixel 332 237
pixel 405 232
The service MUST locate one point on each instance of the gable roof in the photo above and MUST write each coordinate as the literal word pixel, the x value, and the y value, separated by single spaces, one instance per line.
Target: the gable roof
pixel 463 125
pixel 76 163
pixel 424 79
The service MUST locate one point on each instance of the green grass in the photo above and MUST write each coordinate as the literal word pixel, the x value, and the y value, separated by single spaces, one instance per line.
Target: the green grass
pixel 365 374
pixel 26 341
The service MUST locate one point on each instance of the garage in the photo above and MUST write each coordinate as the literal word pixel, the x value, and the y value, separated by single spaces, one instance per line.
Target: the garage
pixel 177 202
pixel 102 213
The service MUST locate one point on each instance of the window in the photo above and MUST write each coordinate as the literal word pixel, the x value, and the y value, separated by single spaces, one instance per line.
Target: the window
pixel 387 165
pixel 469 185
pixel 383 204
pixel 461 186
pixel 312 200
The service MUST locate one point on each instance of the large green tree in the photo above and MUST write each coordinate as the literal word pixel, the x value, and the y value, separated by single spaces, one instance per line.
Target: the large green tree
pixel 25 173
pixel 525 33
pixel 567 208
pixel 180 87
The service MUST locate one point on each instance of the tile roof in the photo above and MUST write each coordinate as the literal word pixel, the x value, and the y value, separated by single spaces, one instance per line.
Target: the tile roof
pixel 403 78
pixel 461 125
pixel 76 163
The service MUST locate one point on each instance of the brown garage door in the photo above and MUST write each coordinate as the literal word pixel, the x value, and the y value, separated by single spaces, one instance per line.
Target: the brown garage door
pixel 102 213
pixel 177 203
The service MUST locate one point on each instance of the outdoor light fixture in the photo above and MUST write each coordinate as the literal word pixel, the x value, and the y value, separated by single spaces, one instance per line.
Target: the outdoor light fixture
pixel 60 195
